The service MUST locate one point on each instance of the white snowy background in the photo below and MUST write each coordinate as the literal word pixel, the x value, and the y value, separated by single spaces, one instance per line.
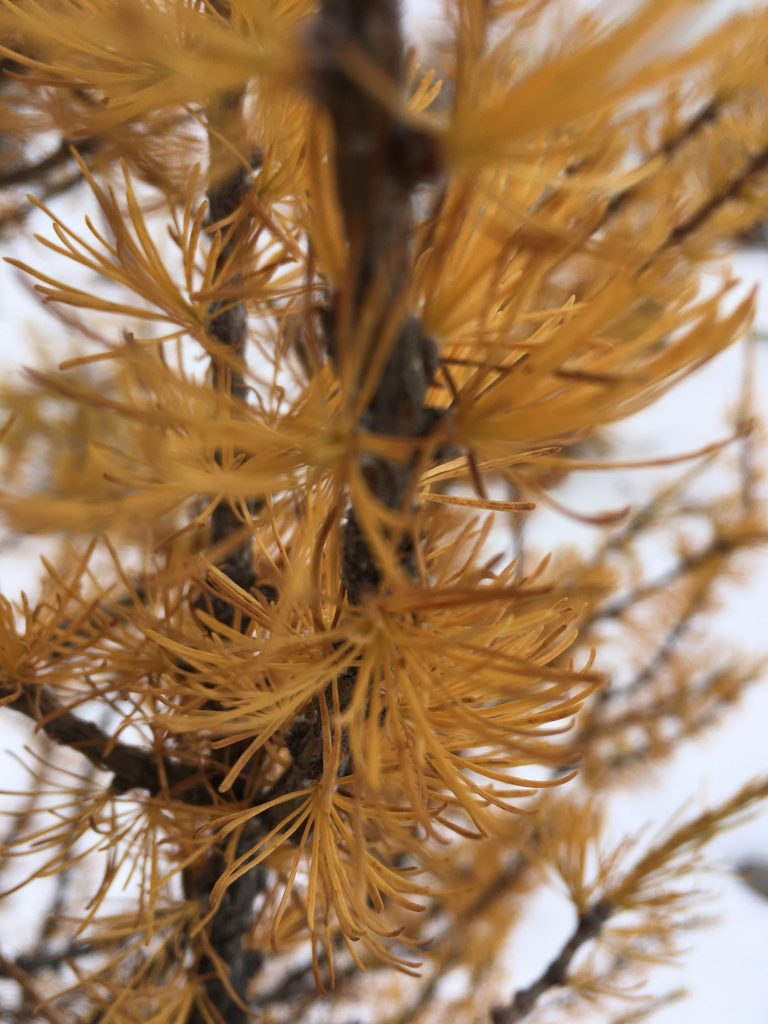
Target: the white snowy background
pixel 725 967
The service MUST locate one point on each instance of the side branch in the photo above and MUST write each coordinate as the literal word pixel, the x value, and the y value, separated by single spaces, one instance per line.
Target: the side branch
pixel 687 839
pixel 757 164
pixel 131 767
pixel 10 969
pixel 38 173
pixel 588 927
pixel 719 547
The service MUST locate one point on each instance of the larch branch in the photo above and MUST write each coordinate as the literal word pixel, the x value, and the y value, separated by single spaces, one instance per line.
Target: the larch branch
pixel 30 174
pixel 555 975
pixel 131 767
pixel 42 1008
pixel 719 547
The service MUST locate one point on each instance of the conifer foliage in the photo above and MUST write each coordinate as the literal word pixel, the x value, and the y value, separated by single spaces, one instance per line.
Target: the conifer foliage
pixel 339 313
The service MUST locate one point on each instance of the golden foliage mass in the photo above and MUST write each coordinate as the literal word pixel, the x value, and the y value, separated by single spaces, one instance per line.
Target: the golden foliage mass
pixel 287 631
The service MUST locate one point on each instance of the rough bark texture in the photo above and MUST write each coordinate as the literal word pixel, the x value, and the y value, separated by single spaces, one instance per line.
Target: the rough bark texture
pixel 226 998
pixel 131 767
pixel 378 160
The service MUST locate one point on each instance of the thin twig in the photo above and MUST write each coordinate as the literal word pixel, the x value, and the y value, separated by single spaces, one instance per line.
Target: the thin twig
pixel 131 767
pixel 719 547
pixel 11 969
pixel 28 174
pixel 730 191
pixel 588 927
pixel 54 959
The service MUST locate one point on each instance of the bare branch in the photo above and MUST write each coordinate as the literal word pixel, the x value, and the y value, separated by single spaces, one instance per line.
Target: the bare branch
pixel 54 959
pixel 10 969
pixel 719 547
pixel 131 767
pixel 731 190
pixel 35 173
pixel 588 927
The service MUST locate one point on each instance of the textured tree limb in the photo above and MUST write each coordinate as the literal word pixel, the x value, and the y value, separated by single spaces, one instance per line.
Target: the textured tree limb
pixel 131 767
pixel 11 969
pixel 374 181
pixel 226 967
pixel 228 321
pixel 374 177
pixel 36 173
pixel 588 927
pixel 370 186
pixel 378 160
pixel 227 999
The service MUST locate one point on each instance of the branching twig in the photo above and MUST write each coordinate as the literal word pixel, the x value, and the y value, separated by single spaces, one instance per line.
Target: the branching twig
pixel 730 191
pixel 131 767
pixel 588 927
pixel 54 959
pixel 11 969
pixel 29 174
pixel 225 952
pixel 626 893
pixel 719 547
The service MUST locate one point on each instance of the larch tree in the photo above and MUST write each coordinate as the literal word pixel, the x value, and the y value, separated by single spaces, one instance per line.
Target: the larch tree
pixel 339 318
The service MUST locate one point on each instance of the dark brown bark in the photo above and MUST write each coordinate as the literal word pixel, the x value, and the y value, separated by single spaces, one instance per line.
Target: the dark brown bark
pixel 378 161
pixel 130 767
pixel 731 191
pixel 227 999
pixel 40 172
pixel 588 927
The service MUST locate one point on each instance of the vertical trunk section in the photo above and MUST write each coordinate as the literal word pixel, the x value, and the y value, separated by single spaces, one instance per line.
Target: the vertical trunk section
pixel 376 157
